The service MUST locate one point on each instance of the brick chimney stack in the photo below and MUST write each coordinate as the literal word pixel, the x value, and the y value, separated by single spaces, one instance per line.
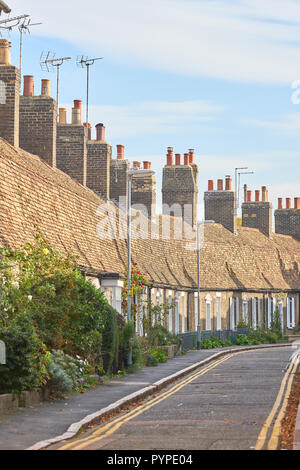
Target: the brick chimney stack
pixel 180 186
pixel 118 178
pixel 9 96
pixel 38 121
pixel 144 192
pixel 258 214
pixel 287 221
pixel 72 140
pixel 99 157
pixel 220 204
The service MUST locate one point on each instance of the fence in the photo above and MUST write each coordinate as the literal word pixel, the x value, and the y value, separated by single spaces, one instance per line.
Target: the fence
pixel 189 340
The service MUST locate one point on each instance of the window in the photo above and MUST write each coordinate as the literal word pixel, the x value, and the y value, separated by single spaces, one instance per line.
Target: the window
pixel 219 312
pixel 280 310
pixel 234 313
pixel 256 319
pixel 208 301
pixel 271 310
pixel 245 309
pixel 290 313
pixel 182 313
pixel 176 313
pixel 170 311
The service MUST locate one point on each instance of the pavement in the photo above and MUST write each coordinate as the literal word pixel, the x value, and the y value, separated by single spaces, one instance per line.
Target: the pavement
pixel 29 426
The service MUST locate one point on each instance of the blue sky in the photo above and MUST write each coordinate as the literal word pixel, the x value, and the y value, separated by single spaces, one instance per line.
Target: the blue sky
pixel 215 76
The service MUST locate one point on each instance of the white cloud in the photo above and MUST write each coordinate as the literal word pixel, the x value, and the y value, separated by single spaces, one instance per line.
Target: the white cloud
pixel 152 117
pixel 288 125
pixel 242 40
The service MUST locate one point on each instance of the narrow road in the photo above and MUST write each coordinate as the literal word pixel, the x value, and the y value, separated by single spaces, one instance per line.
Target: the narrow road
pixel 234 403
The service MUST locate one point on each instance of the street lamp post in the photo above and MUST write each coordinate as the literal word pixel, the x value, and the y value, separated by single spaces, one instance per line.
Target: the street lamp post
pixel 131 174
pixel 198 279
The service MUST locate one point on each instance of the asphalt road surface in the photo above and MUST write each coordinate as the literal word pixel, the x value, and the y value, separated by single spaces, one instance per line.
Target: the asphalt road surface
pixel 234 403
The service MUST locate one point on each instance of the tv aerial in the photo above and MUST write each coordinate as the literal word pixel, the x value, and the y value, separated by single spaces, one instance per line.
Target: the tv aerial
pixel 48 62
pixel 82 62
pixel 23 23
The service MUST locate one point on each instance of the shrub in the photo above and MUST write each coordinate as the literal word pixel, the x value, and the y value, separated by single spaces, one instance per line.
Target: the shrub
pixel 158 335
pixel 27 357
pixel 160 356
pixel 66 371
pixel 242 340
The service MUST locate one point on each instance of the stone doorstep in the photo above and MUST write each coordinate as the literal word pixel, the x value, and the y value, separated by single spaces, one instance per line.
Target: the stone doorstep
pixel 8 403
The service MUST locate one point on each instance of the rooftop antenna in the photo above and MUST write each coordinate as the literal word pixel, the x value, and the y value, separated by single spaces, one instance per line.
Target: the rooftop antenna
pixel 82 62
pixel 24 28
pixel 239 184
pixel 236 187
pixel 48 61
pixel 23 23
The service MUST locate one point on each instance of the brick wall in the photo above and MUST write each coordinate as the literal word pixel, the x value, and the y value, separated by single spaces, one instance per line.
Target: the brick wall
pixel 38 116
pixel 287 222
pixel 180 186
pixel 9 111
pixel 118 180
pixel 144 193
pixel 71 151
pixel 258 215
pixel 220 207
pixel 98 167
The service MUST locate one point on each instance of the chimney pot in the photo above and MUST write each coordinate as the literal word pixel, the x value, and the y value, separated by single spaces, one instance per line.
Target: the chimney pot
pixel 191 156
pixel 77 104
pixel 5 46
pixel 89 128
pixel 210 185
pixel 170 157
pixel 228 183
pixel 249 196
pixel 62 116
pixel 28 85
pixel 120 152
pixel 186 159
pixel 45 89
pixel 257 196
pixel 264 191
pixel 288 203
pixel 100 129
pixel 178 159
pixel 136 165
pixel 220 185
pixel 147 165
pixel 280 203
pixel 297 203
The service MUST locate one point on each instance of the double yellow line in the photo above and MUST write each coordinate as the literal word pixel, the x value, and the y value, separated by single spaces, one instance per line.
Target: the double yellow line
pixel 111 427
pixel 281 405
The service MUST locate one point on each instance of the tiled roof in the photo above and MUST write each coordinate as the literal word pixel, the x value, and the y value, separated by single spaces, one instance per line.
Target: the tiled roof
pixel 36 198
